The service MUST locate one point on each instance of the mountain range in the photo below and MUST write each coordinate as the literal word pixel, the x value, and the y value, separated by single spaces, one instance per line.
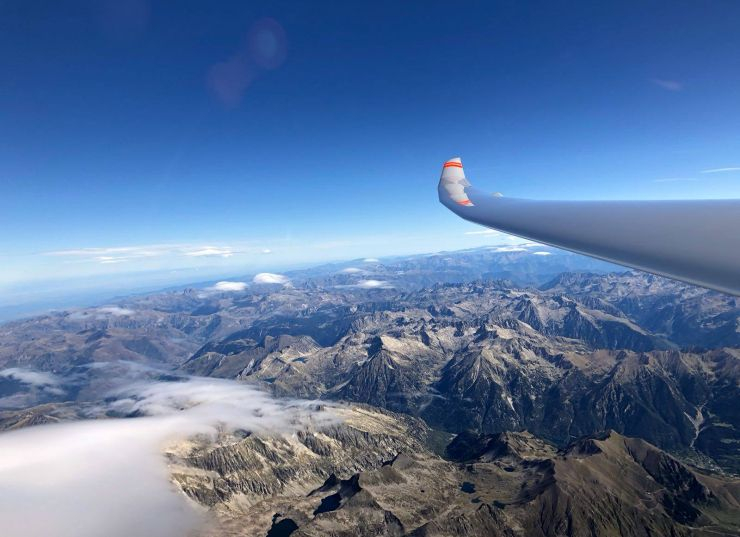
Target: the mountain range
pixel 497 391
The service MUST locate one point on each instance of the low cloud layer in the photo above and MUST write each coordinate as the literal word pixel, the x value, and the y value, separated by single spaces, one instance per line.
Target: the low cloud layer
pixel 228 286
pixel 109 476
pixel 268 277
pixel 30 377
pixel 35 386
pixel 522 248
pixel 116 311
pixel 372 284
pixel 367 284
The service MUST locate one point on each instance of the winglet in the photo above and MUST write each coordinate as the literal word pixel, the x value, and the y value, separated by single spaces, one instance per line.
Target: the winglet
pixel 454 182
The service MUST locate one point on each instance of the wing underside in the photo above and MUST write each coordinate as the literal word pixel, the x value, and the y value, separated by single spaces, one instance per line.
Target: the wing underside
pixel 696 241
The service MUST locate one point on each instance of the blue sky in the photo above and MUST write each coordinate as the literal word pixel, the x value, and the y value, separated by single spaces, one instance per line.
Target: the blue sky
pixel 140 136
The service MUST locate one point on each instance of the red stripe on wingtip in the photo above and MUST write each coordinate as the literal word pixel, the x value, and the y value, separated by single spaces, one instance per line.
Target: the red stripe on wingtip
pixel 465 202
pixel 453 165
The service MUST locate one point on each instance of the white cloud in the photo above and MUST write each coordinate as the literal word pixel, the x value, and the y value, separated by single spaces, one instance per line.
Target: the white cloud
pixel 372 284
pixel 268 277
pixel 371 260
pixel 541 253
pixel 521 248
pixel 120 254
pixel 44 381
pixel 109 476
pixel 141 251
pixel 484 232
pixel 31 377
pixel 228 286
pixel 722 170
pixel 670 85
pixel 110 260
pixel 102 313
pixel 211 251
pixel 116 311
pixel 266 251
pixel 351 270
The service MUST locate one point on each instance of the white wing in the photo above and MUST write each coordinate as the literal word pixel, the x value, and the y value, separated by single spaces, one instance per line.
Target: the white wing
pixel 694 241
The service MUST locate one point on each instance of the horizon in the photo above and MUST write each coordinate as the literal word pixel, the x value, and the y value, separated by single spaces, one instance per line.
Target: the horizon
pixel 48 296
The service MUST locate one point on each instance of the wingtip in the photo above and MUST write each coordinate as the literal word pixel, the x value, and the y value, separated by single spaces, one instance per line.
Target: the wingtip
pixel 453 181
pixel 455 162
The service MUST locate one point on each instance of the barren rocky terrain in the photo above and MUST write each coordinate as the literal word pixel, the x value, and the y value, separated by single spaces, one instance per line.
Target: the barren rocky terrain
pixel 483 392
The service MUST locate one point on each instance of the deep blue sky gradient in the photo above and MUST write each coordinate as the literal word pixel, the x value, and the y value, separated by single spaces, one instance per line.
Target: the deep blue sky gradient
pixel 112 135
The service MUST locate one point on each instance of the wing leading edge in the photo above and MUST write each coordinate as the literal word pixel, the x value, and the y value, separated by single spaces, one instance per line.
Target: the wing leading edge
pixel 695 241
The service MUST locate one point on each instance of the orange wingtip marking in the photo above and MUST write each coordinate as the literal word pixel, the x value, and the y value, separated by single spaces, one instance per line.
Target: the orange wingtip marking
pixel 453 165
pixel 465 202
